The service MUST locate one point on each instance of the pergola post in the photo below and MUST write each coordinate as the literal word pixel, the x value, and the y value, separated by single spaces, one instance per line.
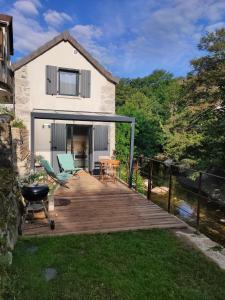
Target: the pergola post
pixel 131 153
pixel 32 142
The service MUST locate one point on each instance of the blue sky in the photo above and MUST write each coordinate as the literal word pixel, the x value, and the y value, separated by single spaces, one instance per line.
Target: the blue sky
pixel 131 38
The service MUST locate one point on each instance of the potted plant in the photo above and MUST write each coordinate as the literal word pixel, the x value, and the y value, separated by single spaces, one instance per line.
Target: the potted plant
pixel 37 161
pixel 18 123
pixel 5 114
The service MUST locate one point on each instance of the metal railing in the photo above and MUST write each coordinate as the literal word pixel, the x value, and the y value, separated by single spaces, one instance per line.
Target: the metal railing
pixel 144 167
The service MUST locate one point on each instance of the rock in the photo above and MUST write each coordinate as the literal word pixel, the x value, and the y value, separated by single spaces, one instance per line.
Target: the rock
pixel 222 221
pixel 206 246
pixel 49 273
pixel 9 192
pixel 32 249
pixel 6 259
pixel 168 162
pixel 146 183
pixel 211 187
pixel 5 118
pixel 160 190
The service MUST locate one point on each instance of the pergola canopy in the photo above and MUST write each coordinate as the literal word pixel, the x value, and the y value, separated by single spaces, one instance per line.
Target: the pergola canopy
pixel 77 116
pixel 90 117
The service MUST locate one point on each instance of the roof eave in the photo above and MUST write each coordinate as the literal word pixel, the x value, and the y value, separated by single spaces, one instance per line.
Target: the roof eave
pixel 66 37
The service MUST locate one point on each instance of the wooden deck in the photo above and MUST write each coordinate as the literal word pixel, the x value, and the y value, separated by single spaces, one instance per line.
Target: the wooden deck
pixel 90 206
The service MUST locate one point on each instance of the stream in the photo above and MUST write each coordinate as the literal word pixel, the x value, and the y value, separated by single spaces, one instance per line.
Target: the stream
pixel 184 205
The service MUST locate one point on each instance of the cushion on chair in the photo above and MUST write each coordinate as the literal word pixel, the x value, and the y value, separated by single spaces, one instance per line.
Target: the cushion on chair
pixel 63 176
pixel 66 162
pixel 48 168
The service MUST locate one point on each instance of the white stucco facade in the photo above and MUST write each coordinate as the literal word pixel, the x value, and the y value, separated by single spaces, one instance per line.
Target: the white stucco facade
pixel 30 94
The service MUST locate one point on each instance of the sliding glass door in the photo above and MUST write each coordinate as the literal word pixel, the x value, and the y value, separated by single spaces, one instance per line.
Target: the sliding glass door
pixel 78 142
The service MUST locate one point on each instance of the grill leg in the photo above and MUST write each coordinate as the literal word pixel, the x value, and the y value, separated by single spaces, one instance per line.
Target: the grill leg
pixel 45 210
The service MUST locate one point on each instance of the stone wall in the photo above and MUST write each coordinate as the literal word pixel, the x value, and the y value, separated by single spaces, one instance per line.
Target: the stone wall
pixel 20 139
pixel 22 96
pixel 9 192
pixel 6 154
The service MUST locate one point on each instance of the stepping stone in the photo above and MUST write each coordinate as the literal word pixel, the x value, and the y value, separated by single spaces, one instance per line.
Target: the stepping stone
pixel 49 273
pixel 32 249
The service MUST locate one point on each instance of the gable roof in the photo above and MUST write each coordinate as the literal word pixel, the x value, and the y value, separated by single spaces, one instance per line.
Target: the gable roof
pixel 66 37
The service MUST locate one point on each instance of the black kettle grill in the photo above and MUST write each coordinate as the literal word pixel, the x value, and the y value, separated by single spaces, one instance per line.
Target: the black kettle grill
pixel 36 201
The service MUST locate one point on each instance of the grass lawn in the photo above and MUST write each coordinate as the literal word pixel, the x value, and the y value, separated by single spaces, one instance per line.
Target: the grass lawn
pixel 133 265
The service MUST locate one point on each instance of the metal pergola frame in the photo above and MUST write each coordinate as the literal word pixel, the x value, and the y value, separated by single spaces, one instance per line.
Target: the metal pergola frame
pixel 85 117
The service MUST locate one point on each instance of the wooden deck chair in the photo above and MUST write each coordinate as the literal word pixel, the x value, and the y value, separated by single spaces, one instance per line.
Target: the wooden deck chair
pixel 60 178
pixel 109 169
pixel 66 163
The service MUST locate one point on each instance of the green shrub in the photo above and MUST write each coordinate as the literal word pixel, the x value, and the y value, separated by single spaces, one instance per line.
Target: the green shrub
pixel 33 177
pixel 7 287
pixel 124 175
pixel 5 111
pixel 17 123
pixel 38 158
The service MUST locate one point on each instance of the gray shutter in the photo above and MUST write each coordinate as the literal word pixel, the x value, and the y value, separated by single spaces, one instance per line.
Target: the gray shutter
pixel 85 85
pixel 1 43
pixel 58 140
pixel 51 80
pixel 101 138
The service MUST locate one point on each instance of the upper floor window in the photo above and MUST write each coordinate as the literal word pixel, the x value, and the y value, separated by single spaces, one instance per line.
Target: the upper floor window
pixel 68 82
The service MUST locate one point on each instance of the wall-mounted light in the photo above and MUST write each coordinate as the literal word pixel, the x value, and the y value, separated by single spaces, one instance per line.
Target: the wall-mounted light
pixel 46 125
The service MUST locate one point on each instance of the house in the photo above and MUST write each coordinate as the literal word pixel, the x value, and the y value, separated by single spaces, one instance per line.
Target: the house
pixel 66 99
pixel 6 50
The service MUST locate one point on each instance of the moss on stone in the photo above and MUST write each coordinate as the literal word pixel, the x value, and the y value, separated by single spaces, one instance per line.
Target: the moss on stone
pixel 6 180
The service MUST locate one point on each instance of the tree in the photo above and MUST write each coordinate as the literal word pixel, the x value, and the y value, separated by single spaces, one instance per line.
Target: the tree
pixel 148 131
pixel 202 108
pixel 183 118
pixel 123 92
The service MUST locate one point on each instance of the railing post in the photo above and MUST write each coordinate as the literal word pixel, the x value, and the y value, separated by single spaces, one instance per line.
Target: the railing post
pixel 149 180
pixel 131 162
pixel 170 189
pixel 127 173
pixel 199 197
pixel 136 175
pixel 119 171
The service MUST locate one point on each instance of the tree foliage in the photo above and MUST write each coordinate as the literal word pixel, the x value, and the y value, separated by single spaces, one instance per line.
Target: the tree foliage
pixel 151 100
pixel 183 118
pixel 201 114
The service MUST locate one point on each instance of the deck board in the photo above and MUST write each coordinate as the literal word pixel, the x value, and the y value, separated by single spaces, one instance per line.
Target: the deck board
pixel 90 206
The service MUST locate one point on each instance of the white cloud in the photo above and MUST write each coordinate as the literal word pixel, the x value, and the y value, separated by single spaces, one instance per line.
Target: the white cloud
pixel 28 7
pixel 132 41
pixel 54 18
pixel 86 32
pixel 88 36
pixel 215 26
pixel 214 10
pixel 164 34
pixel 28 33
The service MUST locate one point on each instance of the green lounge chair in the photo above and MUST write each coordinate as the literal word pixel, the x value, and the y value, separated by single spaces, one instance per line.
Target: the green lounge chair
pixel 66 163
pixel 61 178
